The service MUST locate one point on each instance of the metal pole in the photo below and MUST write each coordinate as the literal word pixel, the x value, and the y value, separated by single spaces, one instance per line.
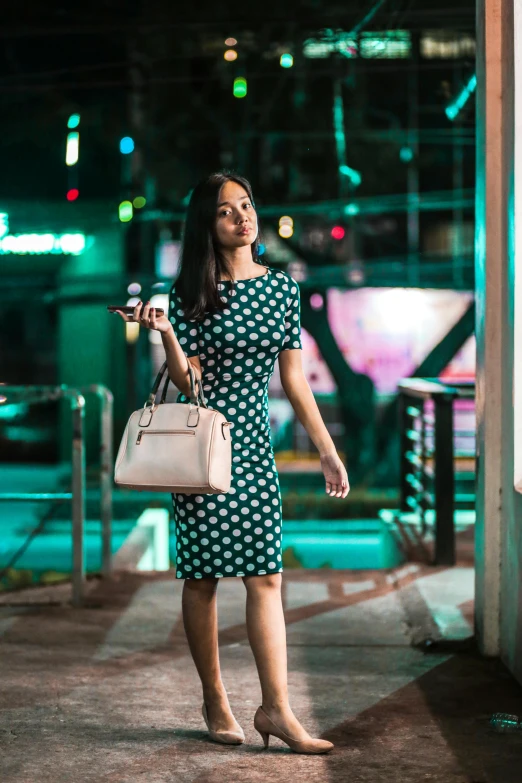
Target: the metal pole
pixel 106 483
pixel 78 492
pixel 404 445
pixel 444 481
pixel 413 221
pixel 106 456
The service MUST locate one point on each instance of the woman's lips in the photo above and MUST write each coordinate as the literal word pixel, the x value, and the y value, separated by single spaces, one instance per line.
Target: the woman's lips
pixel 244 231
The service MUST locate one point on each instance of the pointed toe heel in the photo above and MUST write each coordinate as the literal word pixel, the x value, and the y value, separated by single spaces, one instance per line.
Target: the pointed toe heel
pixel 266 726
pixel 224 737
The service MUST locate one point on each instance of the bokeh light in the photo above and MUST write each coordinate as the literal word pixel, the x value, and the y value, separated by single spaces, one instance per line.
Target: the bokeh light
pixel 126 145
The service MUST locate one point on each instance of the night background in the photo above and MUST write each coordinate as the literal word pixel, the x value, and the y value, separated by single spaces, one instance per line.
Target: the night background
pixel 380 138
pixel 355 125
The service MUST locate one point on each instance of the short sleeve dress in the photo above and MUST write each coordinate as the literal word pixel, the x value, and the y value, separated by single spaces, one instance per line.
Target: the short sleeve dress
pixel 238 533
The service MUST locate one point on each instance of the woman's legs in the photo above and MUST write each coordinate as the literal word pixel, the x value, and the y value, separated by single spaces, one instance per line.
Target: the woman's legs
pixel 199 603
pixel 267 637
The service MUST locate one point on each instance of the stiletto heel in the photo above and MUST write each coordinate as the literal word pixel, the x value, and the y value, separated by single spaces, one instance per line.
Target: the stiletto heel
pixel 266 726
pixel 265 737
pixel 225 737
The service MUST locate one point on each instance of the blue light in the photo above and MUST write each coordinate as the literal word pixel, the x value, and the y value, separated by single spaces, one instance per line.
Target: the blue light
pixel 126 145
pixel 260 249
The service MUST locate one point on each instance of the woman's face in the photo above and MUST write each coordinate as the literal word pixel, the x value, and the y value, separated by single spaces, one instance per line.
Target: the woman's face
pixel 236 219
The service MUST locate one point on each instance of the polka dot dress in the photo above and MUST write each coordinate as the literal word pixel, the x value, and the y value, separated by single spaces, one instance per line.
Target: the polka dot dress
pixel 238 533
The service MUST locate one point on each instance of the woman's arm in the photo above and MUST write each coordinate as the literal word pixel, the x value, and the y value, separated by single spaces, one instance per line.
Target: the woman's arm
pixel 300 395
pixel 177 362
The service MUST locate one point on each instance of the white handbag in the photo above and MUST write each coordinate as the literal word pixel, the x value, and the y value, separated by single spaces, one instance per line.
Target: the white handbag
pixel 176 447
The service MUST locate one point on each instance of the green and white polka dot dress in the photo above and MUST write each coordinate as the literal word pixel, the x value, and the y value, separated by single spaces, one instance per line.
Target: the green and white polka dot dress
pixel 238 533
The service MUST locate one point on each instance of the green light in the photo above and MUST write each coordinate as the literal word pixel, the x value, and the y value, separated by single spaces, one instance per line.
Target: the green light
pixel 73 121
pixel 42 244
pixel 139 202
pixel 462 98
pixel 406 154
pixel 351 209
pixel 240 87
pixel 286 60
pixel 353 175
pixel 72 150
pixel 125 211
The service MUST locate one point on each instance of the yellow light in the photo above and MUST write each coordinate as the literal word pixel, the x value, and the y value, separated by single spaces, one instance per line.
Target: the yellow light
pixel 286 220
pixel 132 328
pixel 285 231
pixel 72 149
pixel 132 331
pixel 139 202
pixel 230 42
pixel 230 55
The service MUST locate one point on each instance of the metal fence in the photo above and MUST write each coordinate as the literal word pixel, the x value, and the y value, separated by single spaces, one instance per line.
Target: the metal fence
pixel 430 444
pixel 34 395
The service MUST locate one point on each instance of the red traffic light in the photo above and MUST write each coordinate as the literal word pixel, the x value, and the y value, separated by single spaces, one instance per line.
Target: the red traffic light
pixel 337 232
pixel 73 194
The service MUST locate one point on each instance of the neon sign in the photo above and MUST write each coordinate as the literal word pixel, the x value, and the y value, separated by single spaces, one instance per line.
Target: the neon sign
pixel 38 244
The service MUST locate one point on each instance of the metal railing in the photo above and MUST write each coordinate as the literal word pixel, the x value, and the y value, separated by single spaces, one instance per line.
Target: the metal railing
pixel 428 454
pixel 33 395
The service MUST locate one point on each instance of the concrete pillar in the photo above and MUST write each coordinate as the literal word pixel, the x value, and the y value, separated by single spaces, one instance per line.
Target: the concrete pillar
pixel 499 505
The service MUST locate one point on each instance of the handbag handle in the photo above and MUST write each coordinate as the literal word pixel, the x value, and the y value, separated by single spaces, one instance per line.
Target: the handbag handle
pixel 196 394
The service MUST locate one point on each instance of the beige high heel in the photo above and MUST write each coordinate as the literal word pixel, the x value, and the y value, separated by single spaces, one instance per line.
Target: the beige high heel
pixel 266 726
pixel 225 737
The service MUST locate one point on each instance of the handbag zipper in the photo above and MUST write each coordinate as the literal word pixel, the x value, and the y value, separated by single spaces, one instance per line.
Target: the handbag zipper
pixel 162 432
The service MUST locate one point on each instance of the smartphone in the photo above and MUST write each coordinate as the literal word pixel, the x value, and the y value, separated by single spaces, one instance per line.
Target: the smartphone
pixel 129 310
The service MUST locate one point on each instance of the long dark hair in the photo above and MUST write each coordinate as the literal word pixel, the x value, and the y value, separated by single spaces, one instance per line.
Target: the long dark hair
pixel 202 263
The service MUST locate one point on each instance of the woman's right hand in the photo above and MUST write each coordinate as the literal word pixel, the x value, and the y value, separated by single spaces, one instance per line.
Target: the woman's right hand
pixel 147 318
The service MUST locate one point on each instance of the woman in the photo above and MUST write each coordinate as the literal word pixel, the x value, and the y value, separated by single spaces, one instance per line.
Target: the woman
pixel 232 318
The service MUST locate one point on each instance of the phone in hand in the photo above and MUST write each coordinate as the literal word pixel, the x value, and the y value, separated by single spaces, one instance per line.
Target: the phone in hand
pixel 127 310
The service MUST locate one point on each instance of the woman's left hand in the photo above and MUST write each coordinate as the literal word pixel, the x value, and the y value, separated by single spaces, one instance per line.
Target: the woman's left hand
pixel 335 475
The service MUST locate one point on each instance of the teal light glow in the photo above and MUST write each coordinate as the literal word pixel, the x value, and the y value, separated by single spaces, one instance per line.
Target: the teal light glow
pixel 10 411
pixel 42 244
pixel 462 98
pixel 286 60
pixel 353 175
pixel 351 209
pixel 406 154
pixel 390 44
pixel 73 121
pixel 4 224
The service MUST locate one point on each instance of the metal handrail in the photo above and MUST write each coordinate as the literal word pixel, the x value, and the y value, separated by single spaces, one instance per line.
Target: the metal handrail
pixel 430 486
pixel 33 395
